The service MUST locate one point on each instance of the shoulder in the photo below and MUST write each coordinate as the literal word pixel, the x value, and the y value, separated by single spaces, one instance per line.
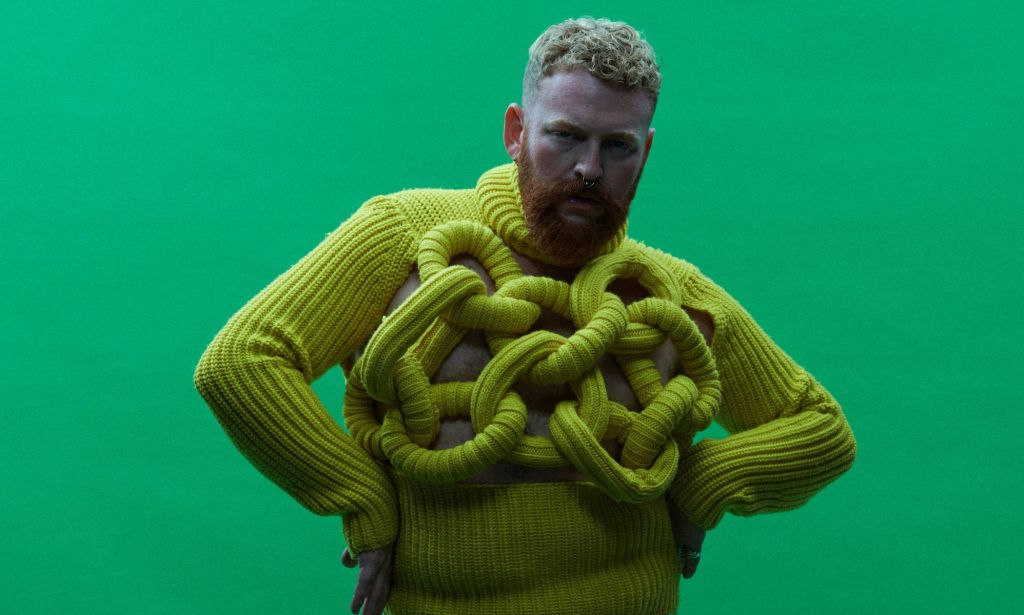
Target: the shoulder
pixel 404 216
pixel 424 208
pixel 700 294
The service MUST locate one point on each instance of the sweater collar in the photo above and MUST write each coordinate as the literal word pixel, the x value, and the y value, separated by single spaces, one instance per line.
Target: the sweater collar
pixel 502 209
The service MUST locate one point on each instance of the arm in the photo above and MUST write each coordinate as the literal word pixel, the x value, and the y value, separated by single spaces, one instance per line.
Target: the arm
pixel 788 437
pixel 256 373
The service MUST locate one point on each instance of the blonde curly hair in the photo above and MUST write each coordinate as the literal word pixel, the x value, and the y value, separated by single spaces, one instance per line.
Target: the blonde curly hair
pixel 610 50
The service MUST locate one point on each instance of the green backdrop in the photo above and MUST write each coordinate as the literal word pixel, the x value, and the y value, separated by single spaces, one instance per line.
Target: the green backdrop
pixel 851 172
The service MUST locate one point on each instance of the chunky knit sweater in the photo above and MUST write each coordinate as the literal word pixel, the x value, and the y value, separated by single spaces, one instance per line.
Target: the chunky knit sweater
pixel 537 547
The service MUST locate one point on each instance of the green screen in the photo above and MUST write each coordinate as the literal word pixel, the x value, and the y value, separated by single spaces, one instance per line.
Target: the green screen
pixel 850 172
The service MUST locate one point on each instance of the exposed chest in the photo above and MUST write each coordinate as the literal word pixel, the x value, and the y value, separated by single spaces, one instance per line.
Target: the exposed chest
pixel 472 354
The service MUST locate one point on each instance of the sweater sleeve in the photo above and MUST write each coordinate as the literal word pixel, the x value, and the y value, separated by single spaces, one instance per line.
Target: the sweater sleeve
pixel 788 437
pixel 256 373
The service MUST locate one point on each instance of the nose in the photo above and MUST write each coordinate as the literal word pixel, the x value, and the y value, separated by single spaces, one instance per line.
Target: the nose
pixel 589 166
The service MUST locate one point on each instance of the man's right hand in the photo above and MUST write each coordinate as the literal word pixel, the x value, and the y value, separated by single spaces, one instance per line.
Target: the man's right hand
pixel 374 582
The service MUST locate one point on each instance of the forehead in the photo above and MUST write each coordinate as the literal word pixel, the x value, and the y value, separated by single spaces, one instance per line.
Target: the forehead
pixel 578 97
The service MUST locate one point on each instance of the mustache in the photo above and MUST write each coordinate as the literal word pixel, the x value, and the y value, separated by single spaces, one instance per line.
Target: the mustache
pixel 566 189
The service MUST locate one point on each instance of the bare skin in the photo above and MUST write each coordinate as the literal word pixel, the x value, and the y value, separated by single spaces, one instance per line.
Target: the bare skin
pixel 467 361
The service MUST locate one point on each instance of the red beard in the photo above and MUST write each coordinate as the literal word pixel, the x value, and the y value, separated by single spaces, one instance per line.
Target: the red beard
pixel 568 243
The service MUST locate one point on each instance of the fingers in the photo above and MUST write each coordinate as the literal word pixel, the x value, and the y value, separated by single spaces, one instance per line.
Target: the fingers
pixel 693 542
pixel 693 535
pixel 689 541
pixel 367 572
pixel 359 595
pixel 374 581
pixel 347 560
pixel 691 559
pixel 378 596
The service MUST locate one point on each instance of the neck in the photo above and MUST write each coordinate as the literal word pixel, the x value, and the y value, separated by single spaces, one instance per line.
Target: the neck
pixel 530 266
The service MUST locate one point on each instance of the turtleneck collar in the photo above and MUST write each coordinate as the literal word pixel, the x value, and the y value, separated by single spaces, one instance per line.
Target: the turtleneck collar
pixel 502 209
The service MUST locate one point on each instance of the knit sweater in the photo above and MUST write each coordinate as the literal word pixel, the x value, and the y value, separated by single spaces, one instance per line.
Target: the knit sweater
pixel 788 437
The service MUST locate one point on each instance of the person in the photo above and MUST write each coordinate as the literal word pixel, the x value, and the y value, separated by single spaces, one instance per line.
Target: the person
pixel 523 380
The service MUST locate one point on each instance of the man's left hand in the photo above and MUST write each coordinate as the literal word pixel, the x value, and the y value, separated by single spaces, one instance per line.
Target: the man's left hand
pixel 689 540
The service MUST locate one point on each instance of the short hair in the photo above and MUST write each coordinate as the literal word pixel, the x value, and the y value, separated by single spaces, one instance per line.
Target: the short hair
pixel 612 51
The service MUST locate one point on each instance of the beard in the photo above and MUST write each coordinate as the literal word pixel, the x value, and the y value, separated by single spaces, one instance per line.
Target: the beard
pixel 570 243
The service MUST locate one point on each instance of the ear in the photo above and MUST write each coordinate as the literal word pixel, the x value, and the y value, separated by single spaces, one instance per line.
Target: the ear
pixel 648 144
pixel 514 130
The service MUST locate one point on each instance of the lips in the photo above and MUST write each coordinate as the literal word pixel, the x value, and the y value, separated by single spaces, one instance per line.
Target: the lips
pixel 581 207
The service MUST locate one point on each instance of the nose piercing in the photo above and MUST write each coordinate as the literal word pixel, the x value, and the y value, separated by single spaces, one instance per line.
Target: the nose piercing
pixel 589 183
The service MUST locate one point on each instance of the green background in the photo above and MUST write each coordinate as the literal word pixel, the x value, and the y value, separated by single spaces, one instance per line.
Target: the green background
pixel 851 173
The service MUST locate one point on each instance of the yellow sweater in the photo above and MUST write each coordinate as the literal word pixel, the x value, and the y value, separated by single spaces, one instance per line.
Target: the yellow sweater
pixel 542 547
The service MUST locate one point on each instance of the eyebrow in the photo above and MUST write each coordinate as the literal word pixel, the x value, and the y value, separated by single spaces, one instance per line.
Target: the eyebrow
pixel 622 135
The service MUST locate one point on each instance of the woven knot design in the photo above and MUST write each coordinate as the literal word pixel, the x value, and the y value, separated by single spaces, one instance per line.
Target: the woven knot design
pixel 412 342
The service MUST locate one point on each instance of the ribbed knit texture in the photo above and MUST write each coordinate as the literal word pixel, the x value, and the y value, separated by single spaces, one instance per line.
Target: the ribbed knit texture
pixel 547 548
pixel 789 438
pixel 255 374
pixel 405 351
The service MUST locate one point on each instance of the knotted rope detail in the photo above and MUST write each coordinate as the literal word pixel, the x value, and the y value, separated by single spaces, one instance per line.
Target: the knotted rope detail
pixel 413 341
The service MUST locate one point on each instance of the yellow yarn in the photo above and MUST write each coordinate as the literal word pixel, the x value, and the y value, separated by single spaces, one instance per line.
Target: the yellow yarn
pixel 532 547
pixel 410 344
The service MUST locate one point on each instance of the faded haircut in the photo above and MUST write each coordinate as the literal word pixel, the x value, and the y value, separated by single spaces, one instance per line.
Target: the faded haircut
pixel 612 51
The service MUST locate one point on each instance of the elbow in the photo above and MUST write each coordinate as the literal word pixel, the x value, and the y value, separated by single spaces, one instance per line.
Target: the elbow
pixel 842 445
pixel 844 441
pixel 225 365
pixel 217 368
pixel 841 450
pixel 849 446
pixel 208 378
pixel 205 377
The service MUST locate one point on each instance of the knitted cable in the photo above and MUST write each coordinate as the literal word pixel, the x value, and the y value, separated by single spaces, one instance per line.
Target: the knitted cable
pixel 411 343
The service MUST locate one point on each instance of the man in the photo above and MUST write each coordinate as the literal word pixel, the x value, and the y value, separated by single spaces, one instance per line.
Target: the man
pixel 524 382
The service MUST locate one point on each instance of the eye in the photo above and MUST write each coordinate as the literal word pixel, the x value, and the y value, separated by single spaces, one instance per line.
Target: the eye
pixel 621 146
pixel 563 134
